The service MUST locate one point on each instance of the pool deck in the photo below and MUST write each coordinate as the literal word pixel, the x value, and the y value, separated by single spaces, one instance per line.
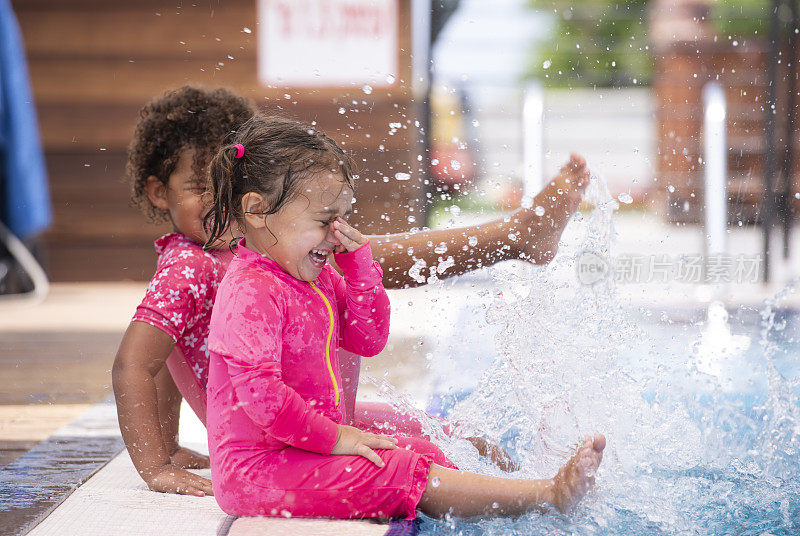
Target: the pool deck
pixel 57 357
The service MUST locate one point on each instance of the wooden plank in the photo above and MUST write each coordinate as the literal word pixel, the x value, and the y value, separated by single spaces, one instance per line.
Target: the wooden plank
pixel 132 82
pixel 100 261
pixel 89 126
pixel 133 31
pixel 120 81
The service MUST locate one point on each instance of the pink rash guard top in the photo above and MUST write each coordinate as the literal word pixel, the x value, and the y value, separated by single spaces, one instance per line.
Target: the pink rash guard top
pixel 274 393
pixel 179 299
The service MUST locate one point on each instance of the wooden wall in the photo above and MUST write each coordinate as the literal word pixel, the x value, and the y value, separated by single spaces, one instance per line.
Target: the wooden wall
pixel 682 70
pixel 94 63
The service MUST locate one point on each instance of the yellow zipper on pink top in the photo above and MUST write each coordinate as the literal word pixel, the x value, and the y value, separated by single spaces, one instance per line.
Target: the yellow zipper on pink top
pixel 328 343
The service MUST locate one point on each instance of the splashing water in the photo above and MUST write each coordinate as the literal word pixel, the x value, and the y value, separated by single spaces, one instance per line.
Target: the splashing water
pixel 689 451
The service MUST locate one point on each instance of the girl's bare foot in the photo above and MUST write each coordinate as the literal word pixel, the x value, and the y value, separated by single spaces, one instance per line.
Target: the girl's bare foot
pixel 577 476
pixel 540 233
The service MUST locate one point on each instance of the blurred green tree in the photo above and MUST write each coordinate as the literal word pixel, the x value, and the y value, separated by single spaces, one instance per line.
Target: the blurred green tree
pixel 741 19
pixel 593 43
pixel 600 43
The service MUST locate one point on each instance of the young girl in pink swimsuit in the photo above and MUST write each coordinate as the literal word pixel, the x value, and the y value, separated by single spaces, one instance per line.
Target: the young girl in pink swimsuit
pixel 278 441
pixel 165 344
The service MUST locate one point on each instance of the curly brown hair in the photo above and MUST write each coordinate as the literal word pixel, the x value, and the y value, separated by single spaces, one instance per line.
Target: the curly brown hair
pixel 185 118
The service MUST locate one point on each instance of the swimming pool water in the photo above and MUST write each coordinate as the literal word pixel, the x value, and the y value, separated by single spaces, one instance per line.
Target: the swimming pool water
pixel 699 407
pixel 733 472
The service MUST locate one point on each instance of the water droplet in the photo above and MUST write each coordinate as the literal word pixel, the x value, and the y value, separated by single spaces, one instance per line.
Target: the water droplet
pixel 389 79
pixel 286 513
pixel 473 241
pixel 495 506
pixel 539 210
pixel 435 481
pixel 671 189
pixel 411 219
pixel 513 236
pixel 441 249
pixel 342 111
pixel 476 123
pixel 247 30
pixel 348 468
pixel 546 64
pixel 455 210
pixel 402 176
pixel 625 197
pixel 366 88
pixel 455 164
pixel 435 162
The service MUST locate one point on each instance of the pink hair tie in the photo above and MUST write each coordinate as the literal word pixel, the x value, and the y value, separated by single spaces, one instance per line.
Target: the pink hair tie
pixel 239 150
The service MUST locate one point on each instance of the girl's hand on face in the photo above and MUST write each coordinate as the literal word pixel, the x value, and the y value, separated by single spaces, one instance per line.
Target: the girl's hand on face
pixel 351 441
pixel 349 239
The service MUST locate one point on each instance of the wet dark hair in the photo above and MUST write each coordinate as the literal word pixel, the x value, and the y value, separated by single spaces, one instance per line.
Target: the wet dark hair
pixel 279 156
pixel 185 118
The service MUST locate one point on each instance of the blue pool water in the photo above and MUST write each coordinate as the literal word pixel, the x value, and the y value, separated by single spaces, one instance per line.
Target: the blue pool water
pixel 700 407
pixel 739 475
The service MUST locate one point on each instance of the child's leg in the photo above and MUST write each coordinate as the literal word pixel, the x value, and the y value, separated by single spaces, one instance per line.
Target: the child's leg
pixel 350 367
pixel 421 446
pixel 169 411
pixel 383 418
pixel 468 494
pixel 186 382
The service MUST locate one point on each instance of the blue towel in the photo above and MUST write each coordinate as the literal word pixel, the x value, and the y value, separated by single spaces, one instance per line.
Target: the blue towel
pixel 24 198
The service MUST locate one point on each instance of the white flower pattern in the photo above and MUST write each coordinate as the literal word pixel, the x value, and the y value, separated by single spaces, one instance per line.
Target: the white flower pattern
pixel 180 297
pixel 190 340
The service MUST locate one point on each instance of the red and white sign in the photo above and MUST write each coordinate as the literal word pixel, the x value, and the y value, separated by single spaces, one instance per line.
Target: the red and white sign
pixel 327 42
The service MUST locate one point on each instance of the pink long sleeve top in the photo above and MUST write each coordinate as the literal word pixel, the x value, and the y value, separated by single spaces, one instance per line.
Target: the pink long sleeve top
pixel 274 382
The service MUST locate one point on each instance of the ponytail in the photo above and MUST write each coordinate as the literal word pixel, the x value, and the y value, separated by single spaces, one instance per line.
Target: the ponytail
pixel 219 216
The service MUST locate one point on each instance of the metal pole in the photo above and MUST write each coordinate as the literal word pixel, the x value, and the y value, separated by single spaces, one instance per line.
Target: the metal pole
pixel 716 168
pixel 788 161
pixel 769 135
pixel 533 136
pixel 421 42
